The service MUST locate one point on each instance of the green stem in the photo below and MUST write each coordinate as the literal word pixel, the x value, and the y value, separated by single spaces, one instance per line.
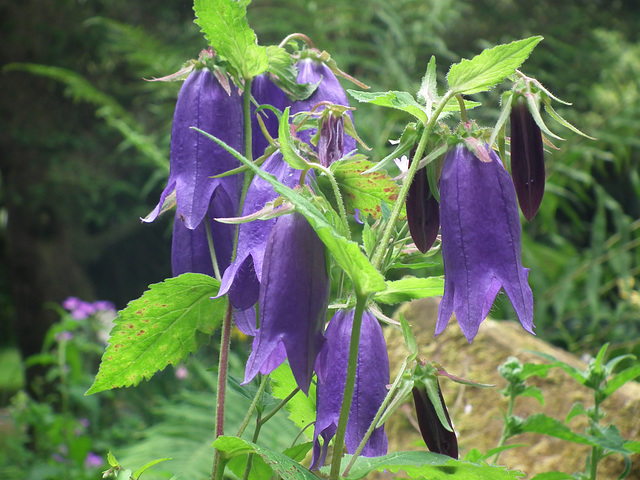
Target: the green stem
pixel 404 190
pixel 336 192
pixel 223 367
pixel 263 385
pixel 275 410
pixel 463 110
pixel 381 410
pixel 212 250
pixel 506 431
pixel 348 388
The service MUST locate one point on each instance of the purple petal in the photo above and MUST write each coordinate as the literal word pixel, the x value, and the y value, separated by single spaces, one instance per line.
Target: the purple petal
pixel 265 92
pixel 294 294
pixel 242 279
pixel 372 377
pixel 202 103
pixel 481 242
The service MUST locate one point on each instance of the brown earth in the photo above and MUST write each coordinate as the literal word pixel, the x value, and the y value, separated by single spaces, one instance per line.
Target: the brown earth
pixel 477 413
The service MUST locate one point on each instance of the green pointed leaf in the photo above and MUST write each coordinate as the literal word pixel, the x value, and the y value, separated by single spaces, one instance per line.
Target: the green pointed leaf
pixel 281 464
pixel 410 288
pixel 364 191
pixel 225 27
pixel 403 101
pixel 491 67
pixel 553 476
pixel 301 408
pixel 286 145
pixel 428 465
pixel 409 337
pixel 171 320
pixel 621 378
pixel 428 89
pixel 364 276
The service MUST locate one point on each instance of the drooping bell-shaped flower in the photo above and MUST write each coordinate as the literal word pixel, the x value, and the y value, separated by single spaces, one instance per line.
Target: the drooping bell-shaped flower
pixel 265 92
pixel 294 294
pixel 527 159
pixel 423 211
pixel 242 279
pixel 481 242
pixel 435 435
pixel 331 140
pixel 372 377
pixel 203 103
pixel 329 90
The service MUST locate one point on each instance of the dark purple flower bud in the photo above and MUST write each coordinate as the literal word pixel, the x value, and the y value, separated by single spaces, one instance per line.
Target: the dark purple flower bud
pixel 242 279
pixel 203 103
pixel 372 377
pixel 435 435
pixel 481 242
pixel 190 248
pixel 423 211
pixel 331 140
pixel 294 294
pixel 527 159
pixel 329 90
pixel 265 92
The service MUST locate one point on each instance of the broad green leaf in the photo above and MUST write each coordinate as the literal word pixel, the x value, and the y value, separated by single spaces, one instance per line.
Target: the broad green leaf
pixel 301 408
pixel 364 191
pixel 298 452
pixel 403 101
pixel 281 464
pixel 366 279
pixel 489 68
pixel 541 423
pixel 171 320
pixel 227 30
pixel 410 288
pixel 533 391
pixel 259 469
pixel 428 465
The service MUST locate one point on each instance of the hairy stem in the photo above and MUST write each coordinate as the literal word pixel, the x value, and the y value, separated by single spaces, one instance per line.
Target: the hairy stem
pixel 223 367
pixel 264 380
pixel 348 388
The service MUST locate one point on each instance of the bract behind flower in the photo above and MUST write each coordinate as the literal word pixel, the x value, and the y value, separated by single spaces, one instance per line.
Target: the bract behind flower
pixel 294 294
pixel 265 92
pixel 481 242
pixel 372 377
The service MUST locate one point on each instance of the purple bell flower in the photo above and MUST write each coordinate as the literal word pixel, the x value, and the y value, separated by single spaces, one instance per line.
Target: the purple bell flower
pixel 481 242
pixel 329 90
pixel 203 103
pixel 372 377
pixel 265 92
pixel 437 438
pixel 294 294
pixel 242 279
pixel 527 159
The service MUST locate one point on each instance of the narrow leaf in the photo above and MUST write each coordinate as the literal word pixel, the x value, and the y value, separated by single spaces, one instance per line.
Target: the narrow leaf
pixel 366 279
pixel 621 378
pixel 410 288
pixel 171 320
pixel 491 67
pixel 403 101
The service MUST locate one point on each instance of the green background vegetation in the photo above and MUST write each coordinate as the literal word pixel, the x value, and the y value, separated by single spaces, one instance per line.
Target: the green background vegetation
pixel 84 149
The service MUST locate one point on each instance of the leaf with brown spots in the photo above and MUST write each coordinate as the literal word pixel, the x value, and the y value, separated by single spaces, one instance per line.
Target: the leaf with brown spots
pixel 171 320
pixel 365 192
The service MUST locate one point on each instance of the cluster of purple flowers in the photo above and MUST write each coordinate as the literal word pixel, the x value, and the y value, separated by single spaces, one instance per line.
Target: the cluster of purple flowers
pixel 81 310
pixel 280 265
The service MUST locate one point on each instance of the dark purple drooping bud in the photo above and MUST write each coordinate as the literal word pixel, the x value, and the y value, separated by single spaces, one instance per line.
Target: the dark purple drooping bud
pixel 481 242
pixel 331 140
pixel 294 294
pixel 265 92
pixel 435 435
pixel 527 159
pixel 372 377
pixel 329 90
pixel 242 279
pixel 423 211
